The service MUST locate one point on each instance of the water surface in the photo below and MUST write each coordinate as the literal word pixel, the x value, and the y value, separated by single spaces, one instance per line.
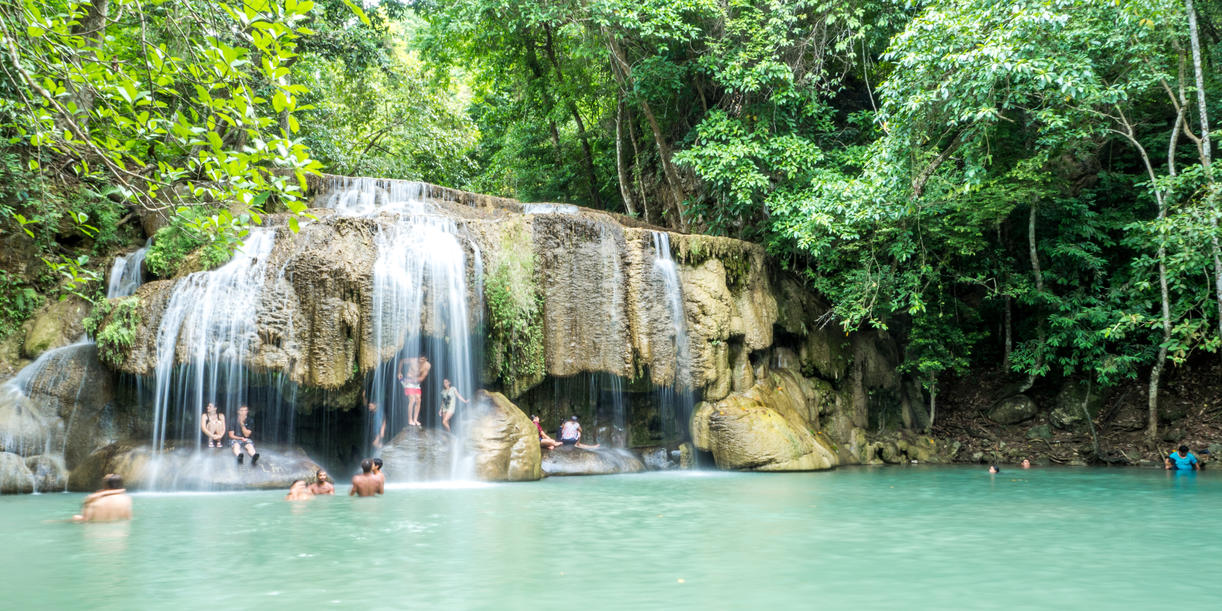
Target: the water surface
pixel 900 537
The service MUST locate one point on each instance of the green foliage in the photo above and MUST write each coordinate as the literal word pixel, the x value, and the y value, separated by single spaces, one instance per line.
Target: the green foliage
pixel 17 303
pixel 515 312
pixel 115 339
pixel 189 234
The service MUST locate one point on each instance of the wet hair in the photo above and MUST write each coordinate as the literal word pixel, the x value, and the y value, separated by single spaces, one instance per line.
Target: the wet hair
pixel 112 481
pixel 377 462
pixel 1184 449
pixel 366 465
pixel 994 468
pixel 295 482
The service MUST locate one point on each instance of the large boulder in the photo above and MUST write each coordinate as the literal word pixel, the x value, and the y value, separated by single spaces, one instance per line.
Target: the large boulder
pixel 502 440
pixel 59 323
pixel 26 428
pixel 1013 410
pixel 72 385
pixel 763 429
pixel 420 454
pixel 570 460
pixel 1074 403
pixel 48 472
pixel 184 468
pixel 15 477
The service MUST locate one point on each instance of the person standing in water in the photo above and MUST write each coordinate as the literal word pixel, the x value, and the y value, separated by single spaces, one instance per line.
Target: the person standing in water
pixel 1182 460
pixel 449 399
pixel 377 470
pixel 110 504
pixel 239 437
pixel 213 426
pixel 299 492
pixel 322 484
pixel 366 483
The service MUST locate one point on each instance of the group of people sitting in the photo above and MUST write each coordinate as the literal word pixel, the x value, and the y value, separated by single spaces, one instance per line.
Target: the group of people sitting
pixel 237 437
pixel 570 435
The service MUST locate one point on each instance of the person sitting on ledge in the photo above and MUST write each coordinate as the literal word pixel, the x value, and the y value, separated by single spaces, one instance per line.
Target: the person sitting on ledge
pixel 110 504
pixel 545 441
pixel 213 426
pixel 299 492
pixel 322 484
pixel 377 470
pixel 1183 460
pixel 239 437
pixel 366 483
pixel 570 435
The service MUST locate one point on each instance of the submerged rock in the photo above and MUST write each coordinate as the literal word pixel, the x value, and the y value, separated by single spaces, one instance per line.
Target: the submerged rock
pixel 184 468
pixel 15 477
pixel 762 429
pixel 502 440
pixel 570 460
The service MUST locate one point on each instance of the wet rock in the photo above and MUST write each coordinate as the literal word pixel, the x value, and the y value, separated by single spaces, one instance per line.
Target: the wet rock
pixel 58 323
pixel 656 459
pixel 1013 410
pixel 570 460
pixel 419 454
pixel 15 477
pixel 1041 431
pixel 184 468
pixel 762 429
pixel 73 386
pixel 26 428
pixel 502 440
pixel 48 472
pixel 1073 403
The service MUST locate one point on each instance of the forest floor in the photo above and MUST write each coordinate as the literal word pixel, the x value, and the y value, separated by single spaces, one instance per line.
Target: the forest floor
pixel 1190 406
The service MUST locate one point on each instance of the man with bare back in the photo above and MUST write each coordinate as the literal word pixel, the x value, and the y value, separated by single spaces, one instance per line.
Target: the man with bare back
pixel 417 370
pixel 110 504
pixel 366 483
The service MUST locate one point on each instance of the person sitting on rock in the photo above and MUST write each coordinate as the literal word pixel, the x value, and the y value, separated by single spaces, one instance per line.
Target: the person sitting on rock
pixel 545 441
pixel 366 483
pixel 322 484
pixel 213 426
pixel 449 399
pixel 110 504
pixel 570 435
pixel 1182 460
pixel 239 437
pixel 299 492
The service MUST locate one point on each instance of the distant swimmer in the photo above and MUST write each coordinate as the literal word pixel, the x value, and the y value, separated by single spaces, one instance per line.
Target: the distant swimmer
pixel 994 469
pixel 1182 460
pixel 1026 464
pixel 239 437
pixel 366 483
pixel 110 504
pixel 322 484
pixel 299 492
pixel 449 400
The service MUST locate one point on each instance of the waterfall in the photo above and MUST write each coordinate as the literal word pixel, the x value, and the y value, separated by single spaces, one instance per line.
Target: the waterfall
pixel 420 296
pixel 126 274
pixel 675 401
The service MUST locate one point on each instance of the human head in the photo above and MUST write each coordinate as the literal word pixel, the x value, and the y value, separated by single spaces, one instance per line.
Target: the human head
pixel 445 383
pixel 366 465
pixel 574 418
pixel 373 407
pixel 534 417
pixel 1183 450
pixel 112 482
pixel 994 469
pixel 211 407
pixel 243 411
pixel 1026 463
pixel 377 464
pixel 320 475
pixel 297 485
pixel 423 359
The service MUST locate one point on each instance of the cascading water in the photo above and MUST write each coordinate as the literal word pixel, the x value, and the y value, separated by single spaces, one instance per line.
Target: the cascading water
pixel 126 274
pixel 675 402
pixel 420 297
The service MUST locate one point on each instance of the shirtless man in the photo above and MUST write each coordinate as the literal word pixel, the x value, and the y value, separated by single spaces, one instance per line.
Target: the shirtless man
pixel 322 484
pixel 299 492
pixel 366 483
pixel 410 379
pixel 213 426
pixel 449 400
pixel 570 435
pixel 110 504
pixel 545 441
pixel 239 437
pixel 377 470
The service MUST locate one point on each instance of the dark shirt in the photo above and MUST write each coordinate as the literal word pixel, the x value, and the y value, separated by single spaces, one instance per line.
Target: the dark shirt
pixel 238 426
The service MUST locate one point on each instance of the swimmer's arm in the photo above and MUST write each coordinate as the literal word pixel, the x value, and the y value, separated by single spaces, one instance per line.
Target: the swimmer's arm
pixel 381 485
pixel 352 490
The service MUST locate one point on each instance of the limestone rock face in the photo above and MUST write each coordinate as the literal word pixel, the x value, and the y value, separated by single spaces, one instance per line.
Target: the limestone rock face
pixel 419 454
pixel 58 323
pixel 1013 410
pixel 570 460
pixel 15 477
pixel 48 472
pixel 502 440
pixel 185 469
pixel 762 429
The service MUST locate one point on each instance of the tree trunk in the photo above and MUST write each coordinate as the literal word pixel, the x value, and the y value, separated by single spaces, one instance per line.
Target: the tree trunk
pixel 1038 274
pixel 625 185
pixel 92 28
pixel 933 403
pixel 1211 197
